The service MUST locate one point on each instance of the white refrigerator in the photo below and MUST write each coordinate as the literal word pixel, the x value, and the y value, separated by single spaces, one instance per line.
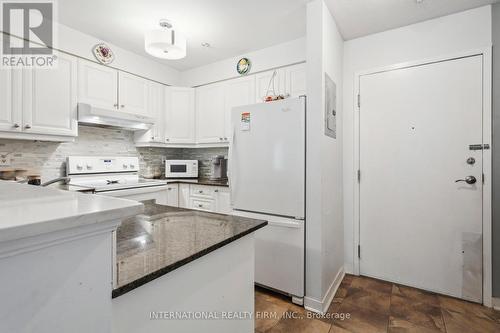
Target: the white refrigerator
pixel 267 180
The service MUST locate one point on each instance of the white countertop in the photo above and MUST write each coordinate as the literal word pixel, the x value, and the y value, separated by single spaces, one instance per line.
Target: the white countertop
pixel 27 210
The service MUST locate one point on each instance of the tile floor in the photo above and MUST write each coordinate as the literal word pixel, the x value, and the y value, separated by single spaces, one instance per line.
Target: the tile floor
pixel 375 306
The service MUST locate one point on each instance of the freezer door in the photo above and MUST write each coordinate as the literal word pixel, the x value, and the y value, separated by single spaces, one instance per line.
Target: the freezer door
pixel 267 157
pixel 279 254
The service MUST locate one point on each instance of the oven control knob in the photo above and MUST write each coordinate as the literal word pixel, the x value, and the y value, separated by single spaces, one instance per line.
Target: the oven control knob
pixel 125 166
pixel 89 167
pixel 132 166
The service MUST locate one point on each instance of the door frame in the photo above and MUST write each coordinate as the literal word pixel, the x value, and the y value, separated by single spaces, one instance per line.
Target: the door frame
pixel 486 53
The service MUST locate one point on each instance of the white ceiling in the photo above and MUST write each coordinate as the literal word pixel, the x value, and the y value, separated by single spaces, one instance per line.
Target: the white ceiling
pixel 357 18
pixel 232 27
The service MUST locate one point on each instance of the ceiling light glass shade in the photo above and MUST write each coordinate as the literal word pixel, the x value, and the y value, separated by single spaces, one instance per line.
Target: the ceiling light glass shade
pixel 165 43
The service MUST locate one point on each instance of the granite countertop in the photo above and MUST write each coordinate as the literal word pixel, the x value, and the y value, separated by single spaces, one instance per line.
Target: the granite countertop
pixel 165 238
pixel 27 210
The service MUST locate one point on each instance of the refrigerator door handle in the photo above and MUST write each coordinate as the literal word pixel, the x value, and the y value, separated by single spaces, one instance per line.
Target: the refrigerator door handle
pixel 230 173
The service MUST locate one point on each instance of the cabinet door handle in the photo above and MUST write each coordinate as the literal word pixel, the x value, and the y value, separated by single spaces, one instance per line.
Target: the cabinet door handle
pixel 16 126
pixel 167 140
pixel 200 205
pixel 200 191
pixel 216 191
pixel 27 126
pixel 115 105
pixel 122 106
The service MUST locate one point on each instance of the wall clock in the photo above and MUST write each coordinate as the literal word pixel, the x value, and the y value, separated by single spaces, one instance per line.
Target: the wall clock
pixel 243 66
pixel 103 53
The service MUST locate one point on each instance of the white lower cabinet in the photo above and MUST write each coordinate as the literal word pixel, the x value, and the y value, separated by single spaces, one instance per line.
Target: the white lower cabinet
pixel 223 201
pixel 205 197
pixel 202 204
pixel 184 195
pixel 173 195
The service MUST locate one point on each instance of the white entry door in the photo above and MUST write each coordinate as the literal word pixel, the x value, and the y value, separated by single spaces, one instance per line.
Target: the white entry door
pixel 420 222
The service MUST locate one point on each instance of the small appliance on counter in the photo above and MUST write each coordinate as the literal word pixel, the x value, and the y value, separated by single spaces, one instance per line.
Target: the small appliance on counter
pixel 219 168
pixel 181 168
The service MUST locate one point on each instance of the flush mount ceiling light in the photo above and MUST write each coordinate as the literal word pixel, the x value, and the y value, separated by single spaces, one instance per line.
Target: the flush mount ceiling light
pixel 165 42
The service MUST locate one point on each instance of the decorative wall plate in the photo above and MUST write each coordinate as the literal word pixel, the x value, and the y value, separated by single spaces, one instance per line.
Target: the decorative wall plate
pixel 243 66
pixel 103 53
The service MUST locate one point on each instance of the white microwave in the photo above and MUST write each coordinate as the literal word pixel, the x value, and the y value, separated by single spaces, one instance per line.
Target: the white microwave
pixel 181 168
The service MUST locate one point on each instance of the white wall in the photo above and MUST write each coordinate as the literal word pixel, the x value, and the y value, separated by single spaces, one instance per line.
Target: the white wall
pixel 439 37
pixel 324 225
pixel 81 44
pixel 287 53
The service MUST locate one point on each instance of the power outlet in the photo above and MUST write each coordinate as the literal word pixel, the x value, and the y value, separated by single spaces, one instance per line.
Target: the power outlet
pixel 4 159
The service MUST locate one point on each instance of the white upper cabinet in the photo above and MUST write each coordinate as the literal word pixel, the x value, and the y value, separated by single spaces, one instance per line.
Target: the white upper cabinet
pixel 288 81
pixel 210 114
pixel 10 112
pixel 296 80
pixel 238 92
pixel 180 115
pixel 50 99
pixel 268 83
pixel 97 85
pixel 157 107
pixel 133 94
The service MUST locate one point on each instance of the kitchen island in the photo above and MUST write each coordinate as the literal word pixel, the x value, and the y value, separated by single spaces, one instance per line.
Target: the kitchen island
pixel 55 255
pixel 180 270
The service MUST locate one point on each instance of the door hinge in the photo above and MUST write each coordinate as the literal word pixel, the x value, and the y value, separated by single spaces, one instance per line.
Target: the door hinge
pixel 359 100
pixel 359 176
pixel 359 251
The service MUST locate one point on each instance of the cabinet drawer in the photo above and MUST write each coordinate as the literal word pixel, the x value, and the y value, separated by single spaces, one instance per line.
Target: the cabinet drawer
pixel 206 205
pixel 201 191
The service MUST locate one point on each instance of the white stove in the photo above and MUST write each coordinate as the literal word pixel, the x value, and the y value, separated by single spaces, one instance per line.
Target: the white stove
pixel 114 176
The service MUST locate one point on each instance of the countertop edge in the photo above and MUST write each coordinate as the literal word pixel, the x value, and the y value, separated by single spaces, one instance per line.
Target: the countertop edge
pixel 199 182
pixel 159 273
pixel 84 210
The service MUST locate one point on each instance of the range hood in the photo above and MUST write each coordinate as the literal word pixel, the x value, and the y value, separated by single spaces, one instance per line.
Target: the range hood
pixel 91 115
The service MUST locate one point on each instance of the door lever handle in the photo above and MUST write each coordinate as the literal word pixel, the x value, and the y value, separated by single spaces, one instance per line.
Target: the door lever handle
pixel 469 180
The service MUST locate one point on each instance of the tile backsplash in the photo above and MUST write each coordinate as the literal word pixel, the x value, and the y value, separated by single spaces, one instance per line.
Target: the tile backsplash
pixel 49 158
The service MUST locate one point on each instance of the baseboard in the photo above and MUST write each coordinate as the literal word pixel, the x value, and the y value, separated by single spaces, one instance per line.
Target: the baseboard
pixel 495 302
pixel 321 306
